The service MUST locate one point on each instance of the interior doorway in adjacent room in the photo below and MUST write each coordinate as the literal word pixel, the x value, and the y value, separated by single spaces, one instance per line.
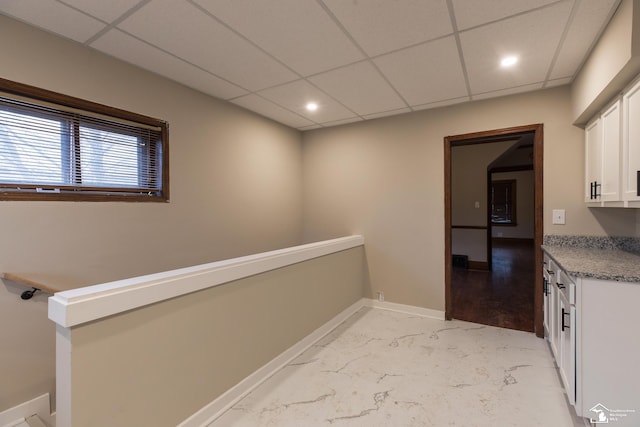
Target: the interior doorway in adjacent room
pixel 495 280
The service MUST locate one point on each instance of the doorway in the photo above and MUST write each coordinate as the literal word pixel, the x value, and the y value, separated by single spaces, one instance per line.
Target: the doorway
pixel 503 136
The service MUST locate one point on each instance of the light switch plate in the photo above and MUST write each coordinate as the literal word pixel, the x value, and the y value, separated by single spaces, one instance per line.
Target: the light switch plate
pixel 558 216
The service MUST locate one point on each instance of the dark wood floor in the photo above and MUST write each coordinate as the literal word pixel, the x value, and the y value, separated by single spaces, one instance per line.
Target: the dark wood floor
pixel 502 297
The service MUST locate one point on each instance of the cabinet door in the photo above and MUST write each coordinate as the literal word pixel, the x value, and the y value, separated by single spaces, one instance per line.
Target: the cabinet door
pixel 631 144
pixel 545 299
pixel 609 189
pixel 567 342
pixel 554 319
pixel 546 289
pixel 593 159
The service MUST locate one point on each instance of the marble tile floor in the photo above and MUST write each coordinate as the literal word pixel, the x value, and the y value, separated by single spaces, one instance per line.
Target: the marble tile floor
pixel 384 368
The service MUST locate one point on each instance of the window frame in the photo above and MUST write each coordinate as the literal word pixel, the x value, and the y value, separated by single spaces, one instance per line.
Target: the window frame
pixel 72 192
pixel 512 183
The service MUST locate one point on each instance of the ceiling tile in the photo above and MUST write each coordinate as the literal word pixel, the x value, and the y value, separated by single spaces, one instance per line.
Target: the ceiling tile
pixel 360 87
pixel 470 13
pixel 289 30
pixel 380 26
pixel 294 96
pixel 53 16
pixel 587 23
pixel 269 109
pixel 509 91
pixel 426 73
pixel 290 51
pixel 106 10
pixel 387 113
pixel 523 36
pixel 187 32
pixel 132 50
pixel 343 122
pixel 444 103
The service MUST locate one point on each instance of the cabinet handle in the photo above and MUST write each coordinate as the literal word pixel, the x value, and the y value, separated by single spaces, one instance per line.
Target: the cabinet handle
pixel 564 313
pixel 545 285
pixel 560 285
pixel 595 187
pixel 551 272
pixel 638 183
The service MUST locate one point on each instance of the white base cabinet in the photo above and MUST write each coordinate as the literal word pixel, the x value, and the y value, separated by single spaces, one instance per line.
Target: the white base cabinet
pixel 560 315
pixel 592 328
pixel 608 350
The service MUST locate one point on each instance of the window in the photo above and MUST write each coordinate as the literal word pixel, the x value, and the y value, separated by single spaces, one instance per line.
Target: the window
pixel 503 202
pixel 55 147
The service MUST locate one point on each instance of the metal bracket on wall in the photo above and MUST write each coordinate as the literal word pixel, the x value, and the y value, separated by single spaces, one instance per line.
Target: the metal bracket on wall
pixel 29 294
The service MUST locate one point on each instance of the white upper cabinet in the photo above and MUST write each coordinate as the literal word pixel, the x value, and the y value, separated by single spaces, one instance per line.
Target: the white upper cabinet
pixel 602 156
pixel 593 159
pixel 612 153
pixel 631 145
pixel 611 138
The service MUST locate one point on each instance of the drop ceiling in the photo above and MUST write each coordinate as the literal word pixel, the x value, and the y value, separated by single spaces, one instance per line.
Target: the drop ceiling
pixel 357 59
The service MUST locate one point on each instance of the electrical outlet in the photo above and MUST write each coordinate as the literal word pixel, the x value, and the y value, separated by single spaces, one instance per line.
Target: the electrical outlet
pixel 380 296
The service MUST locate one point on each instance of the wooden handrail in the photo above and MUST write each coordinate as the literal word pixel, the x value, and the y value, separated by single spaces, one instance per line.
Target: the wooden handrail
pixel 35 282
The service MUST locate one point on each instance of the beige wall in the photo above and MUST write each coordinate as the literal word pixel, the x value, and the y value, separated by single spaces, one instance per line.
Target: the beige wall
pixel 158 365
pixel 235 190
pixel 384 179
pixel 469 185
pixel 614 61
pixel 524 206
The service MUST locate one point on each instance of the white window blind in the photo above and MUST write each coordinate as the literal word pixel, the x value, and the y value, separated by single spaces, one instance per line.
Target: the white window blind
pixel 56 149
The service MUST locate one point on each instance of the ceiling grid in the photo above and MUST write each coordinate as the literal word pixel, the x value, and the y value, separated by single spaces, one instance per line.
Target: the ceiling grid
pixel 358 60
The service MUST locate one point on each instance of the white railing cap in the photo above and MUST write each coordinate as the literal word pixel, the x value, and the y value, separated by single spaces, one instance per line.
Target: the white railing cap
pixel 81 305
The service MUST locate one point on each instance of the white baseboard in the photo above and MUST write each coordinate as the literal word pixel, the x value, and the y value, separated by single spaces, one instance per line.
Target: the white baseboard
pixel 407 309
pixel 216 408
pixel 229 398
pixel 39 406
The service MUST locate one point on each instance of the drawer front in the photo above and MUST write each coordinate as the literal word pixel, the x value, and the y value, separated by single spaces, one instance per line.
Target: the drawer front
pixel 566 286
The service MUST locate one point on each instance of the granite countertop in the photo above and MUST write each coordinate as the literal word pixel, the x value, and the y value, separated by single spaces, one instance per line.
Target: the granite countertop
pixel 604 258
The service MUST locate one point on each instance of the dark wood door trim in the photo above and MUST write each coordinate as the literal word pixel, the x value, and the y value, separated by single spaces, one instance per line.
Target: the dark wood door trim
pixel 493 136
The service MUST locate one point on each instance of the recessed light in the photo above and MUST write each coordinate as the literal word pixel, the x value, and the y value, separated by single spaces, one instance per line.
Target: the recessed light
pixel 509 61
pixel 312 106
